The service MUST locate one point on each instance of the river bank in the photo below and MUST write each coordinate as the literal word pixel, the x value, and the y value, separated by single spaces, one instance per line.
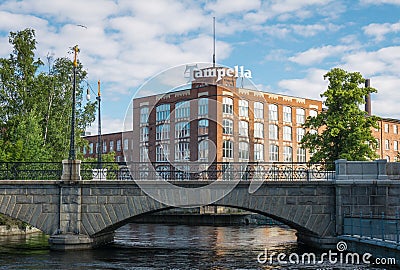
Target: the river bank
pixel 6 230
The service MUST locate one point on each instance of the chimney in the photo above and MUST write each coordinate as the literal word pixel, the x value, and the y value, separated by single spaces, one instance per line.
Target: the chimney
pixel 368 98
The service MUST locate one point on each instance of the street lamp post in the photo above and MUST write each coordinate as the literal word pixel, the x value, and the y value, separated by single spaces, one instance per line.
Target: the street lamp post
pixel 72 154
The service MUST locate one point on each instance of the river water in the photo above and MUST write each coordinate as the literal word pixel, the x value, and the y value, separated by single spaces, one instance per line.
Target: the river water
pixel 156 246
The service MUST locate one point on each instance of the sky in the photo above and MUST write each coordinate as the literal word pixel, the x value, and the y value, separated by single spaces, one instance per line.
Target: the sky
pixel 287 44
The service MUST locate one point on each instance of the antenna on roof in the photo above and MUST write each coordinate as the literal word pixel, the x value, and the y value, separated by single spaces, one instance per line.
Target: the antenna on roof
pixel 213 41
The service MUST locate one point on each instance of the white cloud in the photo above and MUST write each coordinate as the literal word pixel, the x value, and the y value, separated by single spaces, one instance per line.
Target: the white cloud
pixel 108 125
pixel 383 61
pixel 221 7
pixel 317 55
pixel 380 30
pixel 310 87
pixel 380 2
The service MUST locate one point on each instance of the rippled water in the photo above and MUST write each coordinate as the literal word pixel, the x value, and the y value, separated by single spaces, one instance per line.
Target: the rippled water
pixel 149 246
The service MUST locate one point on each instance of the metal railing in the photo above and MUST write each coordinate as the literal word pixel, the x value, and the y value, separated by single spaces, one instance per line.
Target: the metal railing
pixel 260 171
pixel 375 227
pixel 30 170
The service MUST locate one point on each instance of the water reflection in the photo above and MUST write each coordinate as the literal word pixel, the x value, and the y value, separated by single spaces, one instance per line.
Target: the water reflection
pixel 150 246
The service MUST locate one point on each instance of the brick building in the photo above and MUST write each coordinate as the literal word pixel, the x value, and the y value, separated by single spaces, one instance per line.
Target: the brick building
pixel 225 123
pixel 239 124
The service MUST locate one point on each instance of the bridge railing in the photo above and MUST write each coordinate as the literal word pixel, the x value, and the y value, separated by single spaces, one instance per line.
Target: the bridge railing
pixel 261 171
pixel 376 227
pixel 30 170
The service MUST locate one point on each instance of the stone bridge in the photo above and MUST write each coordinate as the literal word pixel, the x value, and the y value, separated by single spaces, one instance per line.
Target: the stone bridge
pixel 84 214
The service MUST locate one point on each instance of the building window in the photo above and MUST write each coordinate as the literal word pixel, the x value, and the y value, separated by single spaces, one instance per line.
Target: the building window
pixel 378 144
pixel 258 152
pixel 97 148
pixel 227 126
pixel 202 127
pixel 386 128
pixel 126 144
pixel 182 110
pixel 111 146
pixel 84 150
pixel 244 128
pixel 182 129
pixel 287 114
pixel 273 132
pixel 119 145
pixel 144 156
pixel 243 150
pixel 162 132
pixel 273 152
pixel 243 108
pixel 227 105
pixel 144 134
pixel 162 152
pixel 388 158
pixel 144 115
pixel 287 133
pixel 395 145
pixel 203 106
pixel 387 144
pixel 104 147
pixel 273 112
pixel 301 155
pixel 162 112
pixel 259 130
pixel 300 116
pixel 287 154
pixel 313 113
pixel 203 150
pixel 395 129
pixel 90 148
pixel 182 151
pixel 300 134
pixel 227 149
pixel 258 110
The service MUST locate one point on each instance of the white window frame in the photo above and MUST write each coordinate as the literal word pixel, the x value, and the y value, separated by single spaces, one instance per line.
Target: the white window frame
pixel 227 149
pixel 243 128
pixel 287 114
pixel 273 152
pixel 182 129
pixel 144 115
pixel 144 134
pixel 387 145
pixel 258 130
pixel 243 108
pixel 182 110
pixel 287 133
pixel 313 113
pixel 203 106
pixel 273 112
pixel 162 132
pixel 300 116
pixel 162 112
pixel 203 127
pixel 258 110
pixel 273 132
pixel 227 105
pixel 203 150
pixel 244 151
pixel 301 154
pixel 162 152
pixel 227 126
pixel 182 151
pixel 300 134
pixel 258 152
pixel 287 154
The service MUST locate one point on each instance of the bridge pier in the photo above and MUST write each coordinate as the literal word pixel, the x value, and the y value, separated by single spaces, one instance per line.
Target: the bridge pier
pixel 70 241
pixel 320 242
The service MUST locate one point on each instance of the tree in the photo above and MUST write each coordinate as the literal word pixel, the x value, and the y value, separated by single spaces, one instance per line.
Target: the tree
pixel 345 129
pixel 35 106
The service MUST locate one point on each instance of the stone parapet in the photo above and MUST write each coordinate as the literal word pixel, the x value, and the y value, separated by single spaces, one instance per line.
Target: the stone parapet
pixel 361 170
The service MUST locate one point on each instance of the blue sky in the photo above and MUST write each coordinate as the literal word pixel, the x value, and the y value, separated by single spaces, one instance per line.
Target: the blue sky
pixel 287 44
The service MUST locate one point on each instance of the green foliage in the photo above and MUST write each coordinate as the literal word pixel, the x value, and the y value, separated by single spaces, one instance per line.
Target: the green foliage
pixel 345 129
pixel 36 106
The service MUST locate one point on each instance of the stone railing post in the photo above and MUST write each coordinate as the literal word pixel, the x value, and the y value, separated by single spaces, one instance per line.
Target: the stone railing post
pixel 382 173
pixel 71 170
pixel 341 169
